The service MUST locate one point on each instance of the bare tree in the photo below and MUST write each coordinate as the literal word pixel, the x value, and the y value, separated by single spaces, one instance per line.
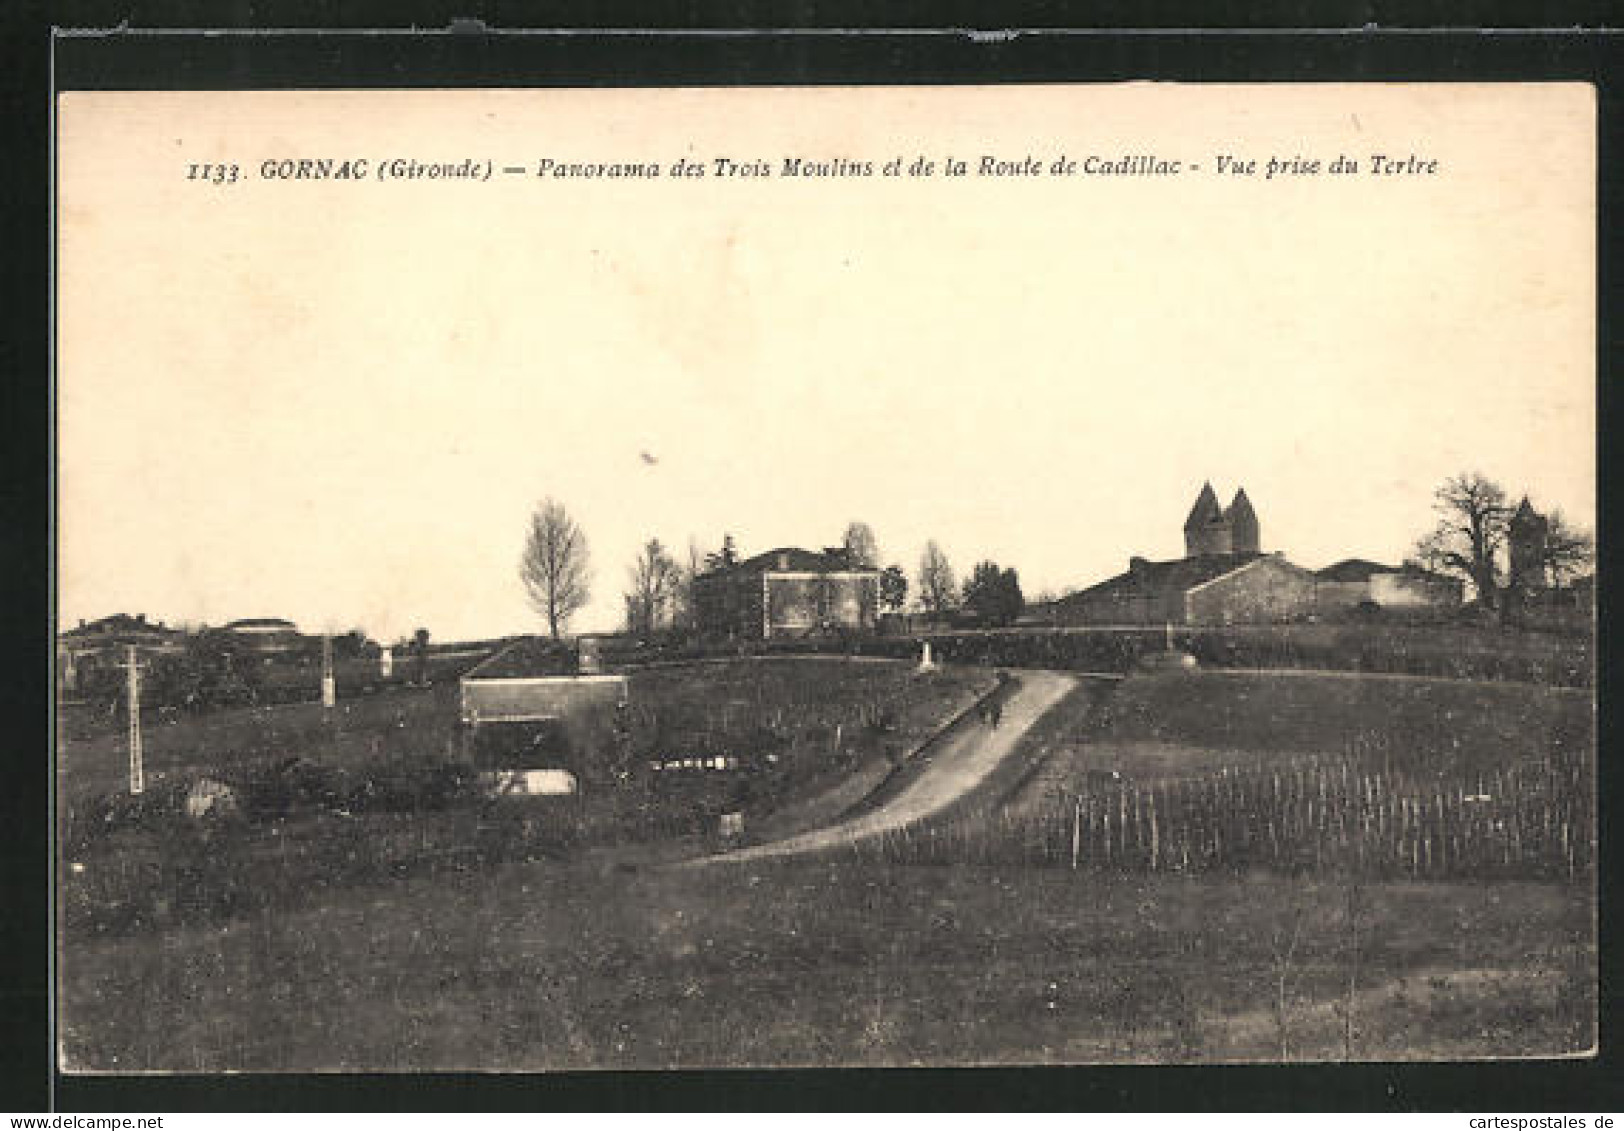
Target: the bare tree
pixel 1569 550
pixel 937 590
pixel 655 578
pixel 685 612
pixel 862 550
pixel 1472 524
pixel 556 566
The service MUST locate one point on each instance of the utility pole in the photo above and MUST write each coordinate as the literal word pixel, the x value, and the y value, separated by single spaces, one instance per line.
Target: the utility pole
pixel 133 666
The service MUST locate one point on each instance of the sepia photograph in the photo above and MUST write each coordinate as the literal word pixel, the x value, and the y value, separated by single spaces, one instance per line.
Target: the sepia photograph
pixel 808 577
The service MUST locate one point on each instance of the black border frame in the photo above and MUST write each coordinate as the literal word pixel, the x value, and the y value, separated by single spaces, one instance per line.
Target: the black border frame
pixel 697 47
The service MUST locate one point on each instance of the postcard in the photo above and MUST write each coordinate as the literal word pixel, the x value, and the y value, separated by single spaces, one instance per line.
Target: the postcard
pixel 613 578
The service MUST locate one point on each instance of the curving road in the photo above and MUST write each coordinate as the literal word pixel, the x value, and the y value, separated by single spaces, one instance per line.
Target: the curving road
pixel 960 760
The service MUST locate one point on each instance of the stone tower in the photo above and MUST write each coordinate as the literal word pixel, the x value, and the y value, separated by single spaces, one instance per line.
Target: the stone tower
pixel 1207 529
pixel 1526 539
pixel 1244 534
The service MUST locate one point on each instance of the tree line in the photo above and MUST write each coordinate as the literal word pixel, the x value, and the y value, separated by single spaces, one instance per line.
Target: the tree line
pixel 1471 540
pixel 556 571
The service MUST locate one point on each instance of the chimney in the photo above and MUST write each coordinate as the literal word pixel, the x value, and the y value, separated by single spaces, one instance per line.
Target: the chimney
pixel 783 560
pixel 1136 566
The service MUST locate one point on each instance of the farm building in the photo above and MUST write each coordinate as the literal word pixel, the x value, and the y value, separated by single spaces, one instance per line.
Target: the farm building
pixel 1211 589
pixel 266 635
pixel 1354 582
pixel 542 708
pixel 104 641
pixel 786 593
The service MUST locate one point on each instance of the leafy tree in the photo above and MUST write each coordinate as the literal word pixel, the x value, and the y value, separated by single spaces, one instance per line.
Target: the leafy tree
pixel 893 588
pixel 862 550
pixel 937 589
pixel 994 593
pixel 556 566
pixel 1473 519
pixel 351 644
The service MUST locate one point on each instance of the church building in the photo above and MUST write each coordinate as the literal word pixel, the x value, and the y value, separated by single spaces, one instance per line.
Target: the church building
pixel 1223 578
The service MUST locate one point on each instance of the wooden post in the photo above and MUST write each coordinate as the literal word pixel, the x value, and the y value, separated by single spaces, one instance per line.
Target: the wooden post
pixel 1155 833
pixel 1076 832
pixel 1122 827
pixel 329 686
pixel 133 692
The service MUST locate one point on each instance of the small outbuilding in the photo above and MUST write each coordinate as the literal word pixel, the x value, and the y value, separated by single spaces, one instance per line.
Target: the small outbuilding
pixel 1357 582
pixel 535 713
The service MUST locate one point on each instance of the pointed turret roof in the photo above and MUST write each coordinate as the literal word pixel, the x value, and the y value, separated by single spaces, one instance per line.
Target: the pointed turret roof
pixel 1205 510
pixel 1525 510
pixel 1241 508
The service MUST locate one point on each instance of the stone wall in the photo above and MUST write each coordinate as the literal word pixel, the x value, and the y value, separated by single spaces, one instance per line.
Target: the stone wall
pixel 1268 590
pixel 1121 606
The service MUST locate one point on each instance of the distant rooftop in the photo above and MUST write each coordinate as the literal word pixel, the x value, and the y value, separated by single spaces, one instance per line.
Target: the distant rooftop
pixel 1353 569
pixel 117 624
pixel 791 559
pixel 261 624
pixel 1177 575
pixel 527 658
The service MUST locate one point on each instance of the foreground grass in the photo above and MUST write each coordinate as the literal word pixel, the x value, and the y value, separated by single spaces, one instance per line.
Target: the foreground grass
pixel 551 965
pixel 402 941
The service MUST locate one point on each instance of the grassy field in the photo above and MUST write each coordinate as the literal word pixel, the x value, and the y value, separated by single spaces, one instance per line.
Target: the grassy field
pixel 422 931
pixel 1295 772
pixel 372 791
pixel 822 721
pixel 1182 724
pixel 403 723
pixel 551 965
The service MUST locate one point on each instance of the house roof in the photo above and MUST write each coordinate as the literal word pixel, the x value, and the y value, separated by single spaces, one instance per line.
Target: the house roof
pixel 1362 569
pixel 261 624
pixel 120 624
pixel 1179 575
pixel 791 559
pixel 526 658
pixel 1353 569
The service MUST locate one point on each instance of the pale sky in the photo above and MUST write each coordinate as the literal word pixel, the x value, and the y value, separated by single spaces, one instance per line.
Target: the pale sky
pixel 339 402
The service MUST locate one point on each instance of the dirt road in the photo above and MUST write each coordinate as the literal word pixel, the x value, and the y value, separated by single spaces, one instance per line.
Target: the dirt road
pixel 959 761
